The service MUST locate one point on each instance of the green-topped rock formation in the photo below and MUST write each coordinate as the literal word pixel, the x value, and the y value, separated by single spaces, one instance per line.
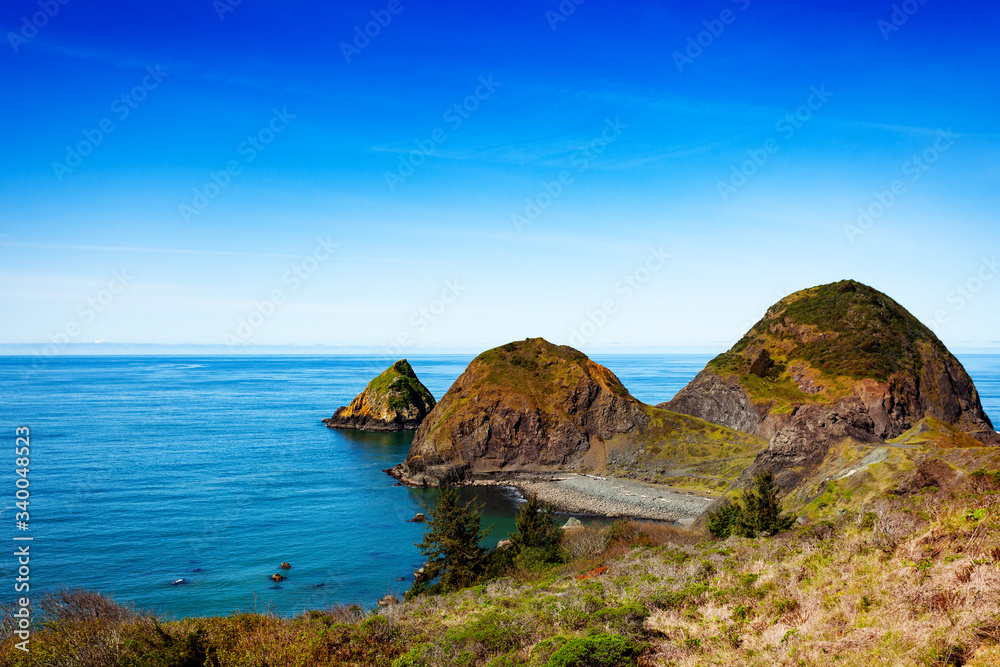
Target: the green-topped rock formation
pixel 394 401
pixel 838 363
pixel 531 406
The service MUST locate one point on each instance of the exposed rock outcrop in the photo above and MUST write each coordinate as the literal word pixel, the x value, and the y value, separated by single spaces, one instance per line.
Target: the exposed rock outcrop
pixel 533 406
pixel 839 362
pixel 719 401
pixel 394 401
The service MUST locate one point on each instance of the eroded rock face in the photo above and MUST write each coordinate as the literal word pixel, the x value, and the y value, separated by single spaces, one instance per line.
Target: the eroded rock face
pixel 719 401
pixel 394 401
pixel 835 362
pixel 526 406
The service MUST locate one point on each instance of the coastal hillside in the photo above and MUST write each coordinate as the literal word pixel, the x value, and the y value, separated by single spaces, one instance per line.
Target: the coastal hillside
pixel 534 407
pixel 909 579
pixel 835 364
pixel 395 400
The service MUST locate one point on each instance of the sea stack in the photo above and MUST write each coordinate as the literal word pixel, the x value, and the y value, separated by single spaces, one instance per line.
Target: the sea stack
pixel 533 407
pixel 837 363
pixel 394 401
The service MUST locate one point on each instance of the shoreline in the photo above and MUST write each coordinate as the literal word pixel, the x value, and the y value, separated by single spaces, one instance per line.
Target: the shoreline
pixel 603 496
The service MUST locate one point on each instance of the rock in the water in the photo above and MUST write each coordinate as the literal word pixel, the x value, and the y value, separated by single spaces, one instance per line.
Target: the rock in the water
pixel 394 401
pixel 532 406
pixel 388 601
pixel 504 544
pixel 572 522
pixel 835 363
pixel 418 518
pixel 286 566
pixel 278 577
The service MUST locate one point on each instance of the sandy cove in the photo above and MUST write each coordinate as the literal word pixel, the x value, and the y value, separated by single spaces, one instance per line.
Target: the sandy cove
pixel 607 496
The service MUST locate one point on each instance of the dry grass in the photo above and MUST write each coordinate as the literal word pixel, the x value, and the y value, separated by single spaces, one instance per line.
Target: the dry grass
pixel 903 581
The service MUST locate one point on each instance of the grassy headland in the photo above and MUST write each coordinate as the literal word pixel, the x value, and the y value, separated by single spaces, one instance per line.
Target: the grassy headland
pixel 878 577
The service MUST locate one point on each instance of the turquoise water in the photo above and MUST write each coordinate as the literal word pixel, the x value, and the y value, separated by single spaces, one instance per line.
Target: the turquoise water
pixel 145 470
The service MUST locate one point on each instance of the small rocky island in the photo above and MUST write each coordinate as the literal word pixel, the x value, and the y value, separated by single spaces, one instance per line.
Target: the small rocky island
pixel 396 400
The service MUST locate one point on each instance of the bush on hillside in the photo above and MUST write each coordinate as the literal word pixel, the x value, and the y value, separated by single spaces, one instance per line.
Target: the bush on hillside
pixel 759 512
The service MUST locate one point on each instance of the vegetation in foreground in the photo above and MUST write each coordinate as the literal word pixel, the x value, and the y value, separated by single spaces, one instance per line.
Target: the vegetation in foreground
pixel 904 580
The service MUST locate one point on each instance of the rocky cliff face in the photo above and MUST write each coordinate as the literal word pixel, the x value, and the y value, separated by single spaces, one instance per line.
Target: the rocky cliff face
pixel 833 363
pixel 394 401
pixel 533 406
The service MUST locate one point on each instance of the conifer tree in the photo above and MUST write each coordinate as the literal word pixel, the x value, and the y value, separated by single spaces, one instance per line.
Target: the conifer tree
pixel 759 512
pixel 451 542
pixel 536 528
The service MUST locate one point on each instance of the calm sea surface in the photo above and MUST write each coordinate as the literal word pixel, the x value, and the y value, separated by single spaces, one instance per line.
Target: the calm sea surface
pixel 145 470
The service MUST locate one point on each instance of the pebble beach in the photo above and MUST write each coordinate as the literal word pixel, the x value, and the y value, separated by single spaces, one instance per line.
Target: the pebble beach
pixel 611 497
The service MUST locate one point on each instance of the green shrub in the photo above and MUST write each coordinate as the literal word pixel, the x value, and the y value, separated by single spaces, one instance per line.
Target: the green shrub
pixel 415 657
pixel 672 598
pixel 491 634
pixel 622 530
pixel 601 650
pixel 759 512
pixel 627 618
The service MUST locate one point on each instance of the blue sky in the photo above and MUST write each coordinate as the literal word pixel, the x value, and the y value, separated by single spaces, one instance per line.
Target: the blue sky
pixel 623 175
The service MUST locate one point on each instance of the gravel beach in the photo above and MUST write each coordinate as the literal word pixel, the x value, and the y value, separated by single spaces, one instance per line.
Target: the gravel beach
pixel 611 496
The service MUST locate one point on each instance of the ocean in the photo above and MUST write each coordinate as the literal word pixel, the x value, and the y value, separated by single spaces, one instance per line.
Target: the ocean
pixel 214 470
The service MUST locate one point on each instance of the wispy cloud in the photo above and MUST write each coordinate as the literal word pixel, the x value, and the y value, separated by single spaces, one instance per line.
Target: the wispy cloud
pixel 235 253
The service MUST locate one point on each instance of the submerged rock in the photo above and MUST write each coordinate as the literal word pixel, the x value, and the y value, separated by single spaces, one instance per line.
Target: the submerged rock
pixel 394 401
